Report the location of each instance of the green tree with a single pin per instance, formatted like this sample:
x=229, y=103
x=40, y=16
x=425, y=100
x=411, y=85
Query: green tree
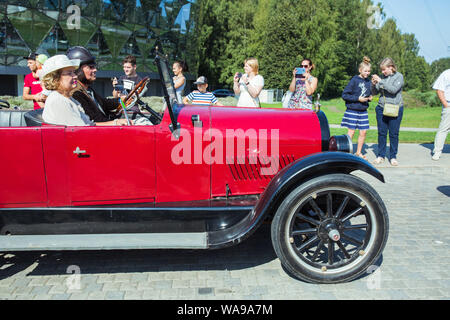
x=334, y=34
x=298, y=30
x=439, y=66
x=416, y=70
x=211, y=31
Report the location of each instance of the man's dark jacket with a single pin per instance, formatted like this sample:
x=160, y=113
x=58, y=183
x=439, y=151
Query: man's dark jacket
x=91, y=108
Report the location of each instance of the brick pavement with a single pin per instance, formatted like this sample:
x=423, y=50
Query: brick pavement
x=414, y=263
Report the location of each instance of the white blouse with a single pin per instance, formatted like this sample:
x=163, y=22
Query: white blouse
x=245, y=99
x=64, y=111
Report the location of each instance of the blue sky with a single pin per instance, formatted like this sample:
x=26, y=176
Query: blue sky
x=429, y=20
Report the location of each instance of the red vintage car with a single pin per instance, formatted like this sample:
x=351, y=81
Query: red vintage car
x=198, y=178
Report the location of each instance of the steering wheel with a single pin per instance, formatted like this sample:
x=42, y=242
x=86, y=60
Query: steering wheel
x=136, y=90
x=133, y=97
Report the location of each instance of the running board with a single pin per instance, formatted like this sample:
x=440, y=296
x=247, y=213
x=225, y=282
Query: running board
x=115, y=241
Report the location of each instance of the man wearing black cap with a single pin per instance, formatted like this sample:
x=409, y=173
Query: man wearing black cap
x=98, y=109
x=32, y=84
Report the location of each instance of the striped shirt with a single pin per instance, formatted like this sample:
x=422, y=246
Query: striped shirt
x=206, y=98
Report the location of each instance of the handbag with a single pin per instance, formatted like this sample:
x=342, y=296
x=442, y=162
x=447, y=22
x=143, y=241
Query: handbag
x=286, y=97
x=390, y=110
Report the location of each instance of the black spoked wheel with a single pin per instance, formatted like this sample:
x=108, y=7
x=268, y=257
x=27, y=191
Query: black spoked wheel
x=330, y=229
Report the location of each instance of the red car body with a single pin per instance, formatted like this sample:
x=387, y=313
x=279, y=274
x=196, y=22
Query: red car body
x=200, y=177
x=132, y=164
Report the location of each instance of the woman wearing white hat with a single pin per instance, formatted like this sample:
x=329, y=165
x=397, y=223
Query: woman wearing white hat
x=58, y=74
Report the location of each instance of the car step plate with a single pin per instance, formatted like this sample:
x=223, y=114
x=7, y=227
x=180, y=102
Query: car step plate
x=104, y=241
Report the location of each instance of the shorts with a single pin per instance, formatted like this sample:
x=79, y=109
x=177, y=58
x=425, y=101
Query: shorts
x=354, y=119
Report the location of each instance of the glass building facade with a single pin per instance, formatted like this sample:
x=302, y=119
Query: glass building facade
x=110, y=29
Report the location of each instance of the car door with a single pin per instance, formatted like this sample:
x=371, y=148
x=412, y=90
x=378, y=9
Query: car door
x=22, y=180
x=110, y=165
x=183, y=168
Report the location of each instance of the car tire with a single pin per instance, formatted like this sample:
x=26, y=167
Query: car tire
x=330, y=229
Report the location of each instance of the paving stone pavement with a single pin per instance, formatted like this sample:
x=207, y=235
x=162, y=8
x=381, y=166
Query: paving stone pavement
x=414, y=264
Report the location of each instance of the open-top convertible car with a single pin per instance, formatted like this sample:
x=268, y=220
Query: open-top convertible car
x=198, y=177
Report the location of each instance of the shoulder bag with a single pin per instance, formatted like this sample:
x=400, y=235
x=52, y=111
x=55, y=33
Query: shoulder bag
x=390, y=110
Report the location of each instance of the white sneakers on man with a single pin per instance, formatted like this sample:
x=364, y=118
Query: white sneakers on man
x=436, y=156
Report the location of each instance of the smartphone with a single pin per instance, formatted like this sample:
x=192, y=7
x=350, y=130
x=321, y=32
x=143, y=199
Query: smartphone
x=300, y=70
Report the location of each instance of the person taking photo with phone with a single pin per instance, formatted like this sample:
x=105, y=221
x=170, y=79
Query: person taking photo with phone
x=303, y=86
x=249, y=85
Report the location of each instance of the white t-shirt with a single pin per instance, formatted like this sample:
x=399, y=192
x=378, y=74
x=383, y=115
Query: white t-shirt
x=245, y=99
x=64, y=111
x=443, y=83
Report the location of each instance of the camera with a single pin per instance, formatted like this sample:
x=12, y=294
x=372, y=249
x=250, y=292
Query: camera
x=238, y=75
x=300, y=71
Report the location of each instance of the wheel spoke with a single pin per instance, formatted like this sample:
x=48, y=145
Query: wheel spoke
x=330, y=252
x=329, y=205
x=356, y=226
x=308, y=244
x=341, y=246
x=316, y=253
x=317, y=209
x=342, y=207
x=306, y=231
x=352, y=214
x=351, y=239
x=308, y=219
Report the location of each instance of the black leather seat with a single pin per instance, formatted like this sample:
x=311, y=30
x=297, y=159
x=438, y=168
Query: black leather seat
x=34, y=118
x=12, y=118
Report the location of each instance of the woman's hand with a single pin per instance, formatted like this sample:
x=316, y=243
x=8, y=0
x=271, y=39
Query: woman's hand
x=375, y=79
x=122, y=122
x=236, y=77
x=363, y=99
x=40, y=97
x=307, y=74
x=245, y=78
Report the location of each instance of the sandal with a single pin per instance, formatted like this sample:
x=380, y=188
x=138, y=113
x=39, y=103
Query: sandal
x=361, y=156
x=394, y=162
x=379, y=160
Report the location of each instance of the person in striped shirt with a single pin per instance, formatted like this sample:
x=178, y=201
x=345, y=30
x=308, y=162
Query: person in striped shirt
x=201, y=96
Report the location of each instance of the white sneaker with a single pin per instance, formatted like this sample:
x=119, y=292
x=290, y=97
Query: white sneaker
x=436, y=156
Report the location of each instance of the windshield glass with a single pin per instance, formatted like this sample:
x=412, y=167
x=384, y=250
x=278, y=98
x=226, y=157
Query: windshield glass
x=170, y=96
x=166, y=78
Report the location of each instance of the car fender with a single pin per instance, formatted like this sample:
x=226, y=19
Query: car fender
x=283, y=182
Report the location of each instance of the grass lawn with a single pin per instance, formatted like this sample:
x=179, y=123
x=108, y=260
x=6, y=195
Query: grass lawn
x=415, y=117
x=424, y=117
x=404, y=137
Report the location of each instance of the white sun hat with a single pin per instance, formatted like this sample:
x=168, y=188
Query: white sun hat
x=57, y=62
